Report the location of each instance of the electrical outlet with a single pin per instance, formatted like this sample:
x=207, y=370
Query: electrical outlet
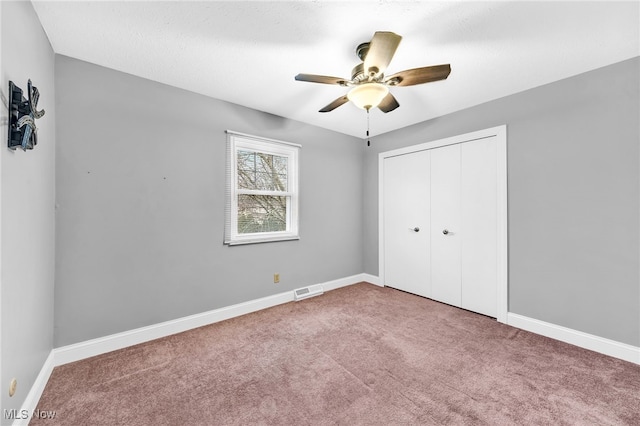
x=12, y=387
x=276, y=278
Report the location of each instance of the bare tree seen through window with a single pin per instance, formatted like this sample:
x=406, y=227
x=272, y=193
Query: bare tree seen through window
x=259, y=171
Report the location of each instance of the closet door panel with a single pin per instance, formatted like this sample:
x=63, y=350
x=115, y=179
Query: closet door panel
x=445, y=225
x=479, y=226
x=406, y=223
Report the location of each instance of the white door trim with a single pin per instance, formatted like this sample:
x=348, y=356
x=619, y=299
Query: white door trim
x=500, y=132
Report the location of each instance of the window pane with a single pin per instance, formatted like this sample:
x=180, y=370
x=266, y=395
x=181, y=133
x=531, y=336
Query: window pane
x=261, y=171
x=261, y=213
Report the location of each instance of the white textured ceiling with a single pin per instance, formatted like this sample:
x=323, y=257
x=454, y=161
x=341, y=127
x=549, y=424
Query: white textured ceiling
x=249, y=52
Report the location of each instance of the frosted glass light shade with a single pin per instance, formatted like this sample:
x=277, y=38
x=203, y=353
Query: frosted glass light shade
x=368, y=95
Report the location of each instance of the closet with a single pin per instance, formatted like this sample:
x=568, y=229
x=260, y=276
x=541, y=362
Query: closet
x=443, y=221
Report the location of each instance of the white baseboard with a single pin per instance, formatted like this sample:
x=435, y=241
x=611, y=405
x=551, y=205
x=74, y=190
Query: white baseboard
x=577, y=338
x=33, y=397
x=372, y=279
x=101, y=345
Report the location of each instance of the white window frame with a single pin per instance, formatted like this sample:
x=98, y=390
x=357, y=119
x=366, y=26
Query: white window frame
x=240, y=141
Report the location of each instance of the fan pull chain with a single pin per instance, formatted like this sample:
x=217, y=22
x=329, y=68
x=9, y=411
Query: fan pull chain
x=368, y=141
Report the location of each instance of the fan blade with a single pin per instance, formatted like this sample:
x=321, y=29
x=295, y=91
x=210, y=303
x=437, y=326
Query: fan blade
x=312, y=78
x=419, y=75
x=335, y=104
x=382, y=47
x=389, y=103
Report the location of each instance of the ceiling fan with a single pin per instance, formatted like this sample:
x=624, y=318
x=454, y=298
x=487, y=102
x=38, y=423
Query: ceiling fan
x=370, y=87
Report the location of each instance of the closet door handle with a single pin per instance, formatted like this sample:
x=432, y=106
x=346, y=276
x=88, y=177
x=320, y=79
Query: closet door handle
x=445, y=231
x=416, y=229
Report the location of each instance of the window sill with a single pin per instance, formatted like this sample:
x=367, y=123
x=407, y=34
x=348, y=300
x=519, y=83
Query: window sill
x=258, y=240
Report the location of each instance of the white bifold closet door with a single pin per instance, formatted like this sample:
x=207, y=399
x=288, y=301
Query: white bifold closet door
x=445, y=225
x=479, y=223
x=449, y=193
x=407, y=222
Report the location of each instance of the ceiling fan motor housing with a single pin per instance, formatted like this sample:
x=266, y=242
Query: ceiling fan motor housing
x=362, y=50
x=357, y=73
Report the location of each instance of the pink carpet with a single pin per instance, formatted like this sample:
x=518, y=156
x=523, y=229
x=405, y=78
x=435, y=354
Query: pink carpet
x=359, y=355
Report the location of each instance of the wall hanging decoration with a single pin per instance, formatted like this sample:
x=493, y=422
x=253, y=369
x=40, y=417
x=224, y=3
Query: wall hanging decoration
x=22, y=117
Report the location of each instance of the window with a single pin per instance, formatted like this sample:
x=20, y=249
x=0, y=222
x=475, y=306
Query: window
x=262, y=190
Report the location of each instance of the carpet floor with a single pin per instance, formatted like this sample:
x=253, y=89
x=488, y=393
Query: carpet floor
x=358, y=355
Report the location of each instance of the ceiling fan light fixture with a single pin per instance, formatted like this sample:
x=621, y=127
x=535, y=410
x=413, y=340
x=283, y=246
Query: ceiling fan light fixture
x=368, y=95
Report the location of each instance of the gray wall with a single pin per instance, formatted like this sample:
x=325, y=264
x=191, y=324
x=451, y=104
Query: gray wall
x=140, y=205
x=140, y=186
x=27, y=194
x=573, y=178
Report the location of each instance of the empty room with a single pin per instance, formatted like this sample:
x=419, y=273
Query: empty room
x=320, y=213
